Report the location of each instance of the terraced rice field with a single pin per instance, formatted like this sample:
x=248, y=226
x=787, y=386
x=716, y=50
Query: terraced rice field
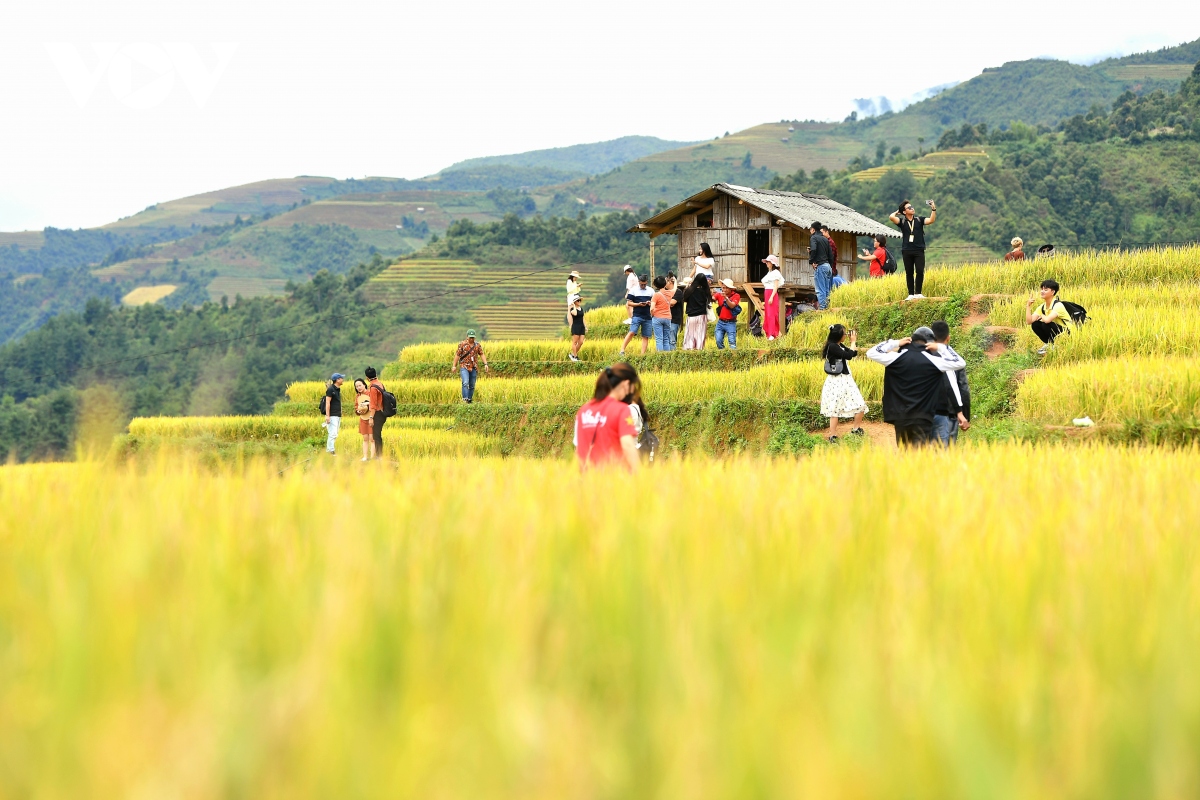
x=537, y=299
x=143, y=295
x=925, y=167
x=246, y=287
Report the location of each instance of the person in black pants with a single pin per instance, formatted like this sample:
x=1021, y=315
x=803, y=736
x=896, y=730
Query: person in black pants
x=912, y=248
x=913, y=383
x=375, y=390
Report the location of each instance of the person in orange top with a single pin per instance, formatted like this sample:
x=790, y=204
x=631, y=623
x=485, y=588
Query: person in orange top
x=362, y=410
x=660, y=316
x=604, y=428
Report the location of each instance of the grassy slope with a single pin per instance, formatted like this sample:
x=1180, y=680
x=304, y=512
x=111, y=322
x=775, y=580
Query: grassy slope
x=591, y=159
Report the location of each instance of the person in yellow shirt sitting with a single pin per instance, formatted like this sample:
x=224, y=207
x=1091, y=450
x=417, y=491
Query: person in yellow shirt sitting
x=1050, y=318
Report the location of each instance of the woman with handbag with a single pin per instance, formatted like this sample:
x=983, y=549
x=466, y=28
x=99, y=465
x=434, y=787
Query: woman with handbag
x=362, y=410
x=840, y=397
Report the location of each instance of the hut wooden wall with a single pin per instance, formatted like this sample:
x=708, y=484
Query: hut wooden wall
x=727, y=239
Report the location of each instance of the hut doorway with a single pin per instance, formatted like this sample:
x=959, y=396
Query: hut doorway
x=758, y=247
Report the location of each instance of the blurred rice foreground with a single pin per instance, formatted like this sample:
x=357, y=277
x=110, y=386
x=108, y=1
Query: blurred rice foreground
x=997, y=622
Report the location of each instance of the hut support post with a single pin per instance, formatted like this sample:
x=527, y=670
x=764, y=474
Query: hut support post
x=652, y=260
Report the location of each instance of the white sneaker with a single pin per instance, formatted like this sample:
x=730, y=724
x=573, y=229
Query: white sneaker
x=363, y=459
x=918, y=297
x=1042, y=350
x=910, y=297
x=1083, y=422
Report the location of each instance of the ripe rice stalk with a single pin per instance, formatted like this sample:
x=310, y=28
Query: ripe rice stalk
x=782, y=381
x=1118, y=331
x=1113, y=391
x=1130, y=269
x=594, y=349
x=283, y=631
x=235, y=428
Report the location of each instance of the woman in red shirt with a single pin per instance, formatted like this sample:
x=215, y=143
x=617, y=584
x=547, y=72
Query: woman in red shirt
x=604, y=428
x=878, y=258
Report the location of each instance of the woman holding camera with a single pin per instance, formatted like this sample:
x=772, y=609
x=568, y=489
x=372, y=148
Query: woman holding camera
x=912, y=244
x=840, y=397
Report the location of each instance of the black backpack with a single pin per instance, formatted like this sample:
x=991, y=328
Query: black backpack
x=889, y=263
x=755, y=324
x=1077, y=312
x=389, y=401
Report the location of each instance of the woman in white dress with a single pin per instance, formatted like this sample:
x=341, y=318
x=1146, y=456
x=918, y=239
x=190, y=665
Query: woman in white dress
x=840, y=397
x=704, y=263
x=772, y=282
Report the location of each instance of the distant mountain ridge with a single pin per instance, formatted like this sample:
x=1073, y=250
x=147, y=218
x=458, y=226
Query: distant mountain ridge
x=589, y=159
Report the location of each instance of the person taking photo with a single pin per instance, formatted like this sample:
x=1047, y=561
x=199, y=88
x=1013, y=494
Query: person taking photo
x=912, y=244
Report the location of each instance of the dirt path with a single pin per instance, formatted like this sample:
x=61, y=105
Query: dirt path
x=880, y=434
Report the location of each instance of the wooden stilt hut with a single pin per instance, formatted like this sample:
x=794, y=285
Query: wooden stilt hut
x=743, y=225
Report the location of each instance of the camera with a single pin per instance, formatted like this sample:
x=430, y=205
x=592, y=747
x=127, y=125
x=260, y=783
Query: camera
x=929, y=203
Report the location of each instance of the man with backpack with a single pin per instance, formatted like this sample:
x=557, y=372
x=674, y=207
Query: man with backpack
x=729, y=305
x=382, y=405
x=466, y=365
x=1050, y=318
x=914, y=382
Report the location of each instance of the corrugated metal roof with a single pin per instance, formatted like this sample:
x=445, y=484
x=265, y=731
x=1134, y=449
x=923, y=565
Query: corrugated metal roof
x=805, y=209
x=797, y=208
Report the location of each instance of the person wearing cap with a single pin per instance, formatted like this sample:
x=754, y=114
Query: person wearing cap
x=642, y=322
x=729, y=305
x=631, y=283
x=466, y=364
x=772, y=282
x=578, y=329
x=820, y=257
x=333, y=411
x=914, y=379
x=1018, y=250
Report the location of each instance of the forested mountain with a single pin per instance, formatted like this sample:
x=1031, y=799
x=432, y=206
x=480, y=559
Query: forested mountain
x=587, y=159
x=1131, y=174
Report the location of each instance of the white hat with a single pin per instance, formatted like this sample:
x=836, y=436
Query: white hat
x=571, y=300
x=628, y=268
x=728, y=284
x=574, y=274
x=771, y=259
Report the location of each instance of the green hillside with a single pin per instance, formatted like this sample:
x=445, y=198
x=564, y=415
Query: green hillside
x=1039, y=92
x=589, y=159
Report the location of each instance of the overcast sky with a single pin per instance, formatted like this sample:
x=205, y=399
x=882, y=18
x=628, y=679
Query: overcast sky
x=109, y=107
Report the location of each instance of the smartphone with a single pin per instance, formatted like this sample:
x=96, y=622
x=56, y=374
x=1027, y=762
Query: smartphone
x=929, y=203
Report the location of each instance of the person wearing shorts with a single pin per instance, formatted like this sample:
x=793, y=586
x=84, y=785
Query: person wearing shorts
x=642, y=323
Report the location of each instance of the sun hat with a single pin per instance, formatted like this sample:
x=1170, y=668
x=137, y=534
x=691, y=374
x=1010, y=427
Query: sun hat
x=470, y=333
x=574, y=298
x=1016, y=241
x=727, y=283
x=574, y=274
x=923, y=334
x=771, y=259
x=628, y=268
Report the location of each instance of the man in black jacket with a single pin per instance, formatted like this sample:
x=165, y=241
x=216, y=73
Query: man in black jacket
x=913, y=383
x=820, y=258
x=954, y=412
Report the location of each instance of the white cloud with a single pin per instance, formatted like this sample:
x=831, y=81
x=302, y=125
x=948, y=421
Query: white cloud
x=171, y=106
